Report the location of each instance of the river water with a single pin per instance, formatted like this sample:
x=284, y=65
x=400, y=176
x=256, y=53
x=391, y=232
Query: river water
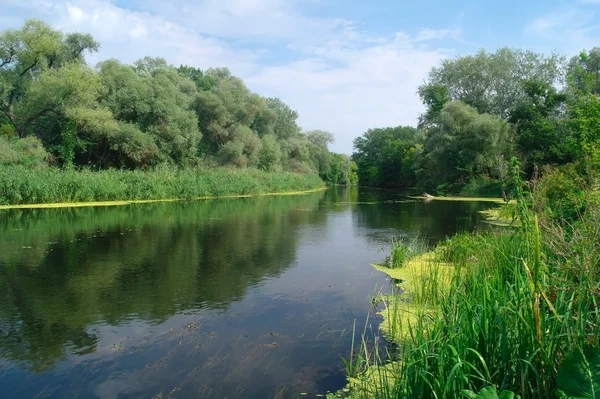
x=236, y=298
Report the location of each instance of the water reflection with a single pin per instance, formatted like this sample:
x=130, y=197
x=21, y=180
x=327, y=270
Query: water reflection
x=196, y=299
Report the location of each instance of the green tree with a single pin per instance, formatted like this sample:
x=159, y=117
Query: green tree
x=226, y=109
x=285, y=125
x=543, y=135
x=584, y=72
x=42, y=74
x=152, y=103
x=270, y=154
x=489, y=82
x=319, y=153
x=583, y=79
x=467, y=144
x=202, y=81
x=384, y=156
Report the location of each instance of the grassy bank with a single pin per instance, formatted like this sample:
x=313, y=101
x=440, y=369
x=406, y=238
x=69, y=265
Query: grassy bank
x=515, y=310
x=20, y=185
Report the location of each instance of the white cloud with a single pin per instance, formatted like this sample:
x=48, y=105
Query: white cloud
x=571, y=28
x=338, y=78
x=374, y=86
x=274, y=20
x=129, y=35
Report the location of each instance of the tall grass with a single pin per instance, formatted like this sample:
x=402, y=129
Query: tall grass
x=518, y=304
x=22, y=185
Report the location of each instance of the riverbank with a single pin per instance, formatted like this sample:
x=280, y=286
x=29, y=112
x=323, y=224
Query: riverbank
x=513, y=310
x=468, y=199
x=22, y=187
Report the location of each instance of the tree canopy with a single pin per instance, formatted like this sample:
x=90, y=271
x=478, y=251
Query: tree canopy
x=146, y=114
x=480, y=111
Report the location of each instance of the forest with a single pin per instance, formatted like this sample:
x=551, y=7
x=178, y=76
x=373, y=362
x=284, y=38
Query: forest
x=483, y=109
x=58, y=111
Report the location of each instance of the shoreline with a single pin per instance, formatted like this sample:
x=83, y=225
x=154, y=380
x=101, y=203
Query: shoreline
x=478, y=199
x=57, y=205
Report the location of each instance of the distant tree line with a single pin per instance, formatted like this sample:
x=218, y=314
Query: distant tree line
x=56, y=109
x=483, y=109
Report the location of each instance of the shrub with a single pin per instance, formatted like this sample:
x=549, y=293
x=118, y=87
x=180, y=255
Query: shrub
x=483, y=187
x=27, y=152
x=561, y=194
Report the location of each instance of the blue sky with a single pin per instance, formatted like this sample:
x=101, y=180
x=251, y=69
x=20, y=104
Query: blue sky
x=345, y=66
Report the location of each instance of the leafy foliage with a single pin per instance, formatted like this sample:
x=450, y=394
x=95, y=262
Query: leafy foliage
x=28, y=152
x=384, y=156
x=579, y=375
x=149, y=113
x=489, y=393
x=480, y=111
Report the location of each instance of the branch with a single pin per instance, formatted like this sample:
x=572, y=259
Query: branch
x=33, y=117
x=6, y=62
x=31, y=66
x=12, y=118
x=10, y=58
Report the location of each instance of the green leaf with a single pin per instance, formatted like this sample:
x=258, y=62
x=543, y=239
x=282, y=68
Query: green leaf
x=489, y=393
x=579, y=375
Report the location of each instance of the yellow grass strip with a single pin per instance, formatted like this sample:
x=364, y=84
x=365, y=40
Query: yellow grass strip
x=130, y=202
x=478, y=199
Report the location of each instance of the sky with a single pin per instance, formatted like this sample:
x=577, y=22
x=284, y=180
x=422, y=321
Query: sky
x=345, y=66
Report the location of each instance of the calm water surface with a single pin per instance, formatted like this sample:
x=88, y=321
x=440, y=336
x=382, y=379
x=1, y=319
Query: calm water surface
x=239, y=298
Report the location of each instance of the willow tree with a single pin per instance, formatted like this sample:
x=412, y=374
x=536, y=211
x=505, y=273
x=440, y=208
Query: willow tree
x=152, y=103
x=467, y=144
x=42, y=73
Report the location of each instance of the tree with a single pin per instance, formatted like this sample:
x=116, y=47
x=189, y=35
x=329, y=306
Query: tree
x=140, y=115
x=543, y=136
x=270, y=154
x=34, y=61
x=285, y=125
x=152, y=102
x=384, y=156
x=467, y=144
x=202, y=81
x=227, y=106
x=583, y=73
x=434, y=97
x=489, y=82
x=319, y=153
x=584, y=86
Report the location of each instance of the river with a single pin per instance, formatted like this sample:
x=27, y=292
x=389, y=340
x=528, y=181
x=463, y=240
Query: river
x=232, y=298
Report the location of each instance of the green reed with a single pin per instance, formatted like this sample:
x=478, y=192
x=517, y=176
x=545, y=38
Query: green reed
x=21, y=185
x=518, y=304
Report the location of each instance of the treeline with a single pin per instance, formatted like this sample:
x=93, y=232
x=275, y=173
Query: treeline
x=481, y=111
x=56, y=109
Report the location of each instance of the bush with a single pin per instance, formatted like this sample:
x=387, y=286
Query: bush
x=560, y=193
x=28, y=152
x=483, y=187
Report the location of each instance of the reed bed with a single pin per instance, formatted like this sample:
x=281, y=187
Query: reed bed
x=22, y=185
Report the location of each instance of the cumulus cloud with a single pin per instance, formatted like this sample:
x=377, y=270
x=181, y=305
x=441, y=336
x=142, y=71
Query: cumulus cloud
x=338, y=77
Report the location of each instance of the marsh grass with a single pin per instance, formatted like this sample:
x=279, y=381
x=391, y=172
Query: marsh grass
x=517, y=304
x=22, y=185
